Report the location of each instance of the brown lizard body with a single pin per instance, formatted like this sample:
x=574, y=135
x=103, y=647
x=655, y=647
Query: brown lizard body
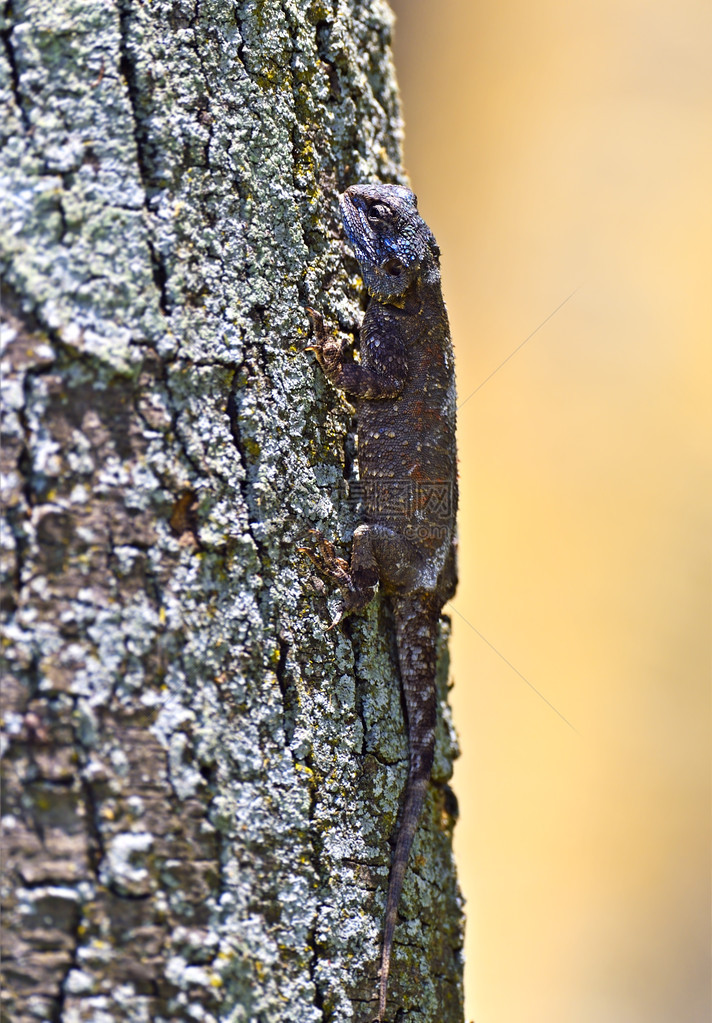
x=404, y=392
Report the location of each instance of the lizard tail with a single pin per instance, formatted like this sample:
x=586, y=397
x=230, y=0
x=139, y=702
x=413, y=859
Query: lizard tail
x=411, y=813
x=416, y=631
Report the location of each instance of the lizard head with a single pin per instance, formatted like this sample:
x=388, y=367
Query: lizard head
x=391, y=240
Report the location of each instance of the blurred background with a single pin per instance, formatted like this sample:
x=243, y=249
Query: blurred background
x=562, y=154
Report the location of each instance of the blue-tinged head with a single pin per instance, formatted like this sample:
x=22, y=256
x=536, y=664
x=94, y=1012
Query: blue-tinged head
x=391, y=240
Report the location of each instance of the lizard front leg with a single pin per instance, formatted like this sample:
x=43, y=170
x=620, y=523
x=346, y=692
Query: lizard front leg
x=328, y=349
x=382, y=377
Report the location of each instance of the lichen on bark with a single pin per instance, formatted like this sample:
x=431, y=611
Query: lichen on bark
x=199, y=781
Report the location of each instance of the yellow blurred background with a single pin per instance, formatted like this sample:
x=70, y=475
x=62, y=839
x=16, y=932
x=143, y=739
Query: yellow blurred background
x=562, y=153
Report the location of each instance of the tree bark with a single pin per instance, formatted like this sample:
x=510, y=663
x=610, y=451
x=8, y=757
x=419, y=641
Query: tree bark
x=200, y=782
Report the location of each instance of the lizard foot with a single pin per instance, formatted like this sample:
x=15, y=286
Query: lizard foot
x=324, y=557
x=328, y=349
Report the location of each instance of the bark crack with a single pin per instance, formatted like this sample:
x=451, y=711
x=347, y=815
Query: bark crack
x=288, y=690
x=6, y=34
x=233, y=414
x=127, y=67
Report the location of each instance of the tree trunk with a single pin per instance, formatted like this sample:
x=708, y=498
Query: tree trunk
x=200, y=782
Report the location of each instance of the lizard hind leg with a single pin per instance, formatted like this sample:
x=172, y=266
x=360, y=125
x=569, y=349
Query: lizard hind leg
x=357, y=582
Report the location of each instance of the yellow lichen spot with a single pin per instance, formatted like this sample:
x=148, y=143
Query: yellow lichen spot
x=216, y=980
x=162, y=615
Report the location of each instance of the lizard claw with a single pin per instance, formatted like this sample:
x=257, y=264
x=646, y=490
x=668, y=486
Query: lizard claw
x=326, y=560
x=318, y=330
x=316, y=318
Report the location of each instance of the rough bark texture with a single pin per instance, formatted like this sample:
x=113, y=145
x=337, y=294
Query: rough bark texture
x=199, y=781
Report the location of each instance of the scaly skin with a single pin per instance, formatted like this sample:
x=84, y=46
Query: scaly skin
x=404, y=392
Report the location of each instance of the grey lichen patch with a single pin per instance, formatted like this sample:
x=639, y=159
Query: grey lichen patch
x=200, y=779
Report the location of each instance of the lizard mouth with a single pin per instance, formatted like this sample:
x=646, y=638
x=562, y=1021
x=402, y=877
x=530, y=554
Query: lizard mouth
x=357, y=227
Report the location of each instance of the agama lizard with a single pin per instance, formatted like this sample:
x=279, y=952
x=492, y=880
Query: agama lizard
x=404, y=392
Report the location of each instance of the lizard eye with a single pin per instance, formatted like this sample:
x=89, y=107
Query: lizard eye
x=378, y=212
x=393, y=267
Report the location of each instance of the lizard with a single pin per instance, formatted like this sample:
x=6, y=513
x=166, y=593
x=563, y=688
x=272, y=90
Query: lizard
x=403, y=389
